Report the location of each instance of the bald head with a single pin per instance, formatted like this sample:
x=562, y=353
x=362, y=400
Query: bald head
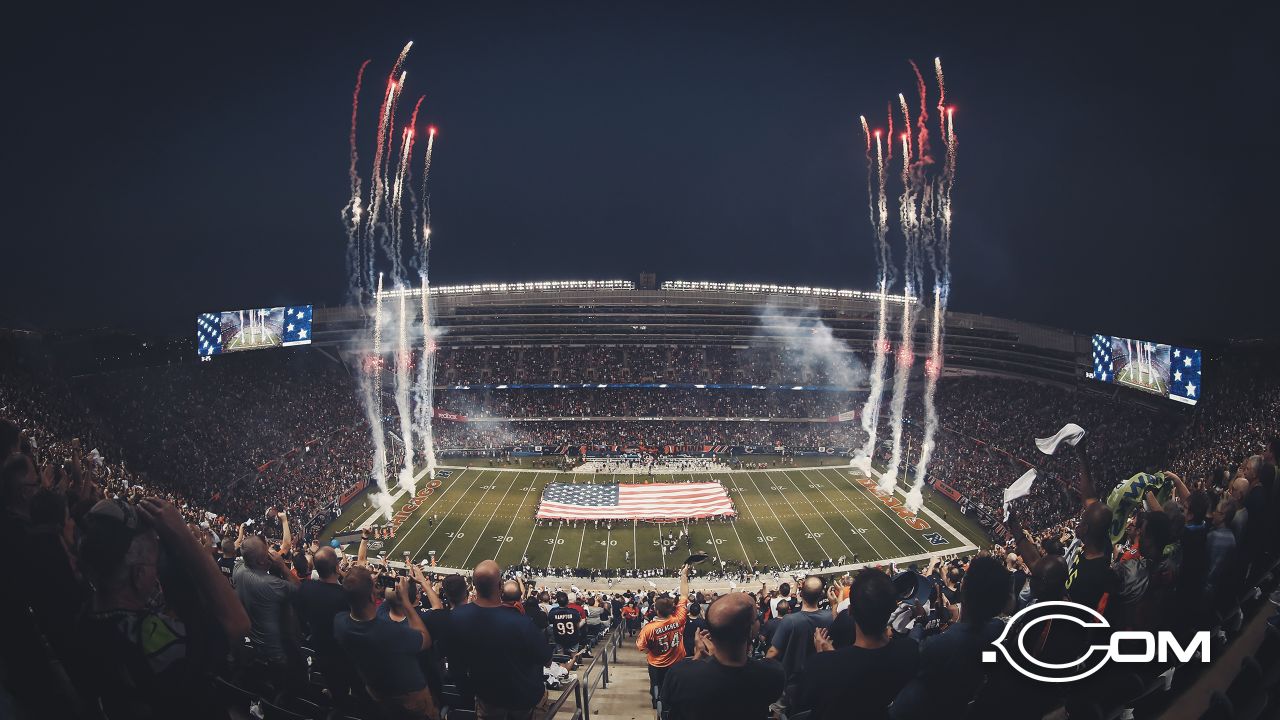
x=811, y=591
x=254, y=550
x=731, y=620
x=326, y=562
x=487, y=579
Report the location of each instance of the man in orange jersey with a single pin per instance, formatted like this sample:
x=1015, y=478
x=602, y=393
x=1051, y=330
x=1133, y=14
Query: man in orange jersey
x=661, y=639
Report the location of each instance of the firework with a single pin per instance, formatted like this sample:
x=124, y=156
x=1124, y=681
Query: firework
x=352, y=211
x=403, y=360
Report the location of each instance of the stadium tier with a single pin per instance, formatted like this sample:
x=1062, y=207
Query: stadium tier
x=723, y=317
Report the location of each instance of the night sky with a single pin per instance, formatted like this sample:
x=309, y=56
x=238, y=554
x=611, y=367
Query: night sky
x=1116, y=172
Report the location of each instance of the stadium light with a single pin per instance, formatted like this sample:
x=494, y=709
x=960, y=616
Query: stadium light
x=770, y=289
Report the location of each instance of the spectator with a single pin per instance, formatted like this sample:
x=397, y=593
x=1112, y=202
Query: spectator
x=318, y=602
x=566, y=624
x=868, y=674
x=662, y=639
x=264, y=584
x=793, y=640
x=721, y=680
x=693, y=625
x=385, y=651
x=771, y=625
x=951, y=668
x=144, y=662
x=499, y=654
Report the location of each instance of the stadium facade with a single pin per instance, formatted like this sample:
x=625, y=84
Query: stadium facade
x=618, y=313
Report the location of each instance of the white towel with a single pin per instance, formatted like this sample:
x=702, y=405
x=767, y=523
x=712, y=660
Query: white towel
x=1020, y=488
x=1070, y=434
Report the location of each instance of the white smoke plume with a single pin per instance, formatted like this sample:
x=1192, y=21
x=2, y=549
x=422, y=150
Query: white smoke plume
x=812, y=347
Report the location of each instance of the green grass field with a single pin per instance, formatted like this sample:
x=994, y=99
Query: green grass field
x=784, y=516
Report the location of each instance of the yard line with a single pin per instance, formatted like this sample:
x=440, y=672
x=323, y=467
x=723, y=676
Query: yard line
x=754, y=520
x=532, y=531
x=635, y=546
x=581, y=542
x=607, y=535
x=819, y=512
x=846, y=517
x=871, y=523
x=440, y=555
x=443, y=489
x=893, y=517
x=507, y=534
x=662, y=548
x=467, y=560
x=745, y=555
x=554, y=542
x=775, y=517
x=467, y=518
x=436, y=529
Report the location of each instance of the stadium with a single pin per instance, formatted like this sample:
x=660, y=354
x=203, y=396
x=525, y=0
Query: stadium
x=692, y=367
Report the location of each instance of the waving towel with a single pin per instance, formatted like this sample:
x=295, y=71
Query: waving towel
x=1020, y=488
x=1070, y=434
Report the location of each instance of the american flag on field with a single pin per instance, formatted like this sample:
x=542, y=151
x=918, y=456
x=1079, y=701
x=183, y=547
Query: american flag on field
x=297, y=325
x=617, y=501
x=1184, y=375
x=209, y=334
x=1103, y=367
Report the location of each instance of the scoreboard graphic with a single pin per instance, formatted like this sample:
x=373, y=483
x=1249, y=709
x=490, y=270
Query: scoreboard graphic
x=1166, y=370
x=256, y=329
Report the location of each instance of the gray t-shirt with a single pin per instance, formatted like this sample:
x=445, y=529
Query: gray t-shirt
x=794, y=638
x=266, y=599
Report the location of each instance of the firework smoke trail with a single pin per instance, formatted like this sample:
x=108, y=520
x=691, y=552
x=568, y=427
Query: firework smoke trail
x=889, y=134
x=906, y=117
x=426, y=383
x=871, y=409
x=427, y=369
x=371, y=396
x=375, y=180
x=906, y=353
x=938, y=211
x=933, y=369
x=942, y=98
x=404, y=356
x=352, y=212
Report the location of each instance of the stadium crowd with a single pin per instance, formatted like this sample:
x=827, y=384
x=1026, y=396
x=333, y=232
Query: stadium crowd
x=618, y=402
x=137, y=582
x=764, y=364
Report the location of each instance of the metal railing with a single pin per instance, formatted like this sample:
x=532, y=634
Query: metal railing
x=574, y=689
x=600, y=664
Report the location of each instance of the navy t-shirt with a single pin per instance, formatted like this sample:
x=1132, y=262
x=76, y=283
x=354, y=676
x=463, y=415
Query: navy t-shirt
x=385, y=651
x=564, y=623
x=498, y=655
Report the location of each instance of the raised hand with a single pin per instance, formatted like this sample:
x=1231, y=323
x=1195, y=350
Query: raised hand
x=822, y=640
x=164, y=517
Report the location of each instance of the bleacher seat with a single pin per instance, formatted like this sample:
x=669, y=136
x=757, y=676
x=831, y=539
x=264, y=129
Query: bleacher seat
x=1219, y=708
x=1247, y=694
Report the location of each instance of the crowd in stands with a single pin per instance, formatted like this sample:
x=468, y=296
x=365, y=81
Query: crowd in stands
x=137, y=582
x=765, y=364
x=619, y=402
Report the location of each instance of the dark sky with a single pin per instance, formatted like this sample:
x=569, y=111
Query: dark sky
x=1116, y=173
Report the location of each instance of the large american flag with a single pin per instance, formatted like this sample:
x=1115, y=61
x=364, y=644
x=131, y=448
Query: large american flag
x=615, y=501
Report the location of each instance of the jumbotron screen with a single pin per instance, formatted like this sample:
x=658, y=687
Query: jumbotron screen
x=1165, y=370
x=256, y=329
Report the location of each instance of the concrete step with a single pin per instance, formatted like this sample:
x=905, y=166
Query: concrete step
x=627, y=697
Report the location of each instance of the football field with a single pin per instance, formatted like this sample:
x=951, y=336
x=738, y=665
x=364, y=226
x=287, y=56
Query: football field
x=784, y=516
